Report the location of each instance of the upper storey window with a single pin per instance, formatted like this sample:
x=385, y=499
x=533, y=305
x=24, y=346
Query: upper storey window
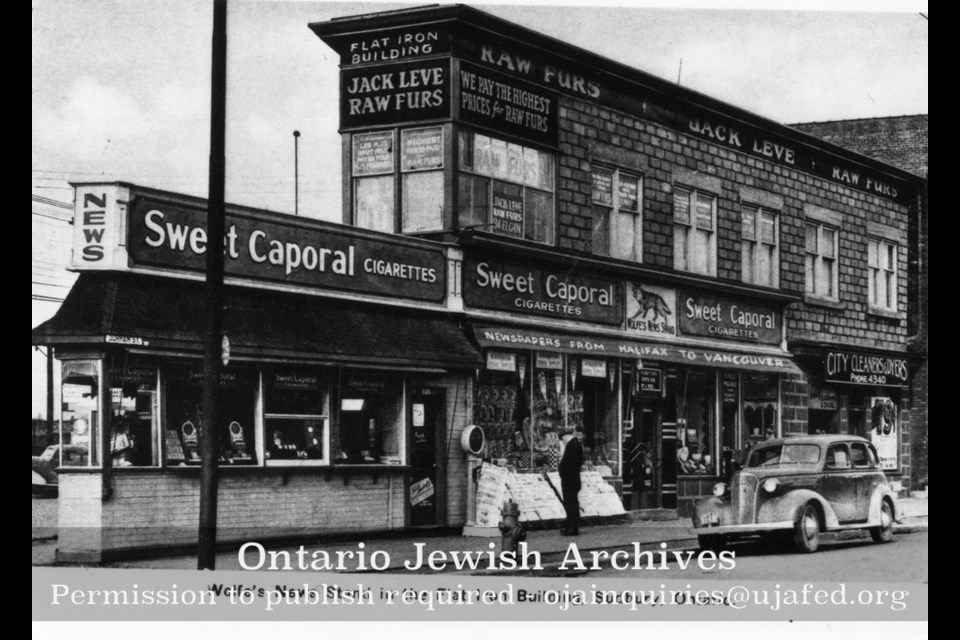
x=694, y=231
x=507, y=188
x=617, y=225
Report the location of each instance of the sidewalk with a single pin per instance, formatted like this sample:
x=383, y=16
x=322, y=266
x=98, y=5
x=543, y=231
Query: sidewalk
x=649, y=535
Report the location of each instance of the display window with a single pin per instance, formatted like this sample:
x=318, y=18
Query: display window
x=296, y=417
x=135, y=420
x=696, y=395
x=371, y=427
x=184, y=421
x=525, y=411
x=79, y=418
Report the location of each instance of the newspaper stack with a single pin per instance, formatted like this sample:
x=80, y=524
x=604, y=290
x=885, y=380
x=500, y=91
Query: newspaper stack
x=598, y=496
x=491, y=492
x=523, y=490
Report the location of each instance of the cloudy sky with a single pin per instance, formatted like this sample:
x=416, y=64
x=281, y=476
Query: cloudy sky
x=121, y=87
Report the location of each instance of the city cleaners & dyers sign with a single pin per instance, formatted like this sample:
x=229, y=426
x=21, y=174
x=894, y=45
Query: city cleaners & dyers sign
x=860, y=368
x=299, y=253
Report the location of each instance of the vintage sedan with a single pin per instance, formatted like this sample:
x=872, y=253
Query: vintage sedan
x=800, y=487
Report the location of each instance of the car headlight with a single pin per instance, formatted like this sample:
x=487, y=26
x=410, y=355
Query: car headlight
x=770, y=485
x=719, y=489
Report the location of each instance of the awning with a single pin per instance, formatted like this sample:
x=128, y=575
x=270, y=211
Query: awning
x=159, y=313
x=600, y=346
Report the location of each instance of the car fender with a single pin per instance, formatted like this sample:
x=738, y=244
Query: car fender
x=878, y=495
x=787, y=508
x=712, y=504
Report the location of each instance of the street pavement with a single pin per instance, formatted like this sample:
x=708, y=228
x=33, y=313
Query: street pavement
x=647, y=535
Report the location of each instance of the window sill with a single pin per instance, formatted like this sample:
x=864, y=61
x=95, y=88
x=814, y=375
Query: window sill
x=822, y=302
x=883, y=313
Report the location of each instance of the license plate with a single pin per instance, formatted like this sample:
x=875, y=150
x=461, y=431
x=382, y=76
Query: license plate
x=710, y=518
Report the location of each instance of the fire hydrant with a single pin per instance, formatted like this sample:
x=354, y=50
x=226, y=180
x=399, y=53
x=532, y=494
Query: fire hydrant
x=510, y=528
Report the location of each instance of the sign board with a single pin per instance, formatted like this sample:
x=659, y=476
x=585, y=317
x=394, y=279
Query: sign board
x=299, y=252
x=507, y=286
x=499, y=361
x=421, y=149
x=883, y=427
x=724, y=319
x=549, y=361
x=393, y=45
x=847, y=367
x=373, y=153
x=651, y=310
x=420, y=491
x=395, y=93
x=95, y=226
x=650, y=379
x=594, y=368
x=506, y=211
x=507, y=105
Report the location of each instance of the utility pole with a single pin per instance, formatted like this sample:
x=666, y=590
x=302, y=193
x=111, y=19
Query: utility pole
x=296, y=173
x=209, y=440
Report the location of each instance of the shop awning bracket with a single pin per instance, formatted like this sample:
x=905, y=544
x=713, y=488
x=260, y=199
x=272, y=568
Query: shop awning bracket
x=286, y=477
x=346, y=477
x=328, y=475
x=376, y=477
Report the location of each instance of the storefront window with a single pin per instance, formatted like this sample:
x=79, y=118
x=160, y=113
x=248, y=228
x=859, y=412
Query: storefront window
x=549, y=408
x=506, y=188
x=371, y=421
x=595, y=390
x=133, y=391
x=499, y=408
x=696, y=402
x=79, y=419
x=183, y=392
x=760, y=408
x=296, y=410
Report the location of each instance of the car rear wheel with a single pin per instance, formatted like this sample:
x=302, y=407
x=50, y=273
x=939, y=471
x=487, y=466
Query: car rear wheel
x=884, y=533
x=806, y=533
x=716, y=543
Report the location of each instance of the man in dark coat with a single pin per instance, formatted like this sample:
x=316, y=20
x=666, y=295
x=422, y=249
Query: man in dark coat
x=569, y=468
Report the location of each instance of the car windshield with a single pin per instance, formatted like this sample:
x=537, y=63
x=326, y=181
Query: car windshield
x=780, y=454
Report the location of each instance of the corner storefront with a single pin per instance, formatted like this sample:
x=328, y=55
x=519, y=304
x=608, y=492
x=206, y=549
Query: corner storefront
x=339, y=409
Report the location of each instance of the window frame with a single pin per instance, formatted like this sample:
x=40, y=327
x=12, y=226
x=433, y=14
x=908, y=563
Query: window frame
x=690, y=227
x=325, y=388
x=819, y=258
x=876, y=247
x=467, y=168
x=614, y=209
x=757, y=244
x=403, y=172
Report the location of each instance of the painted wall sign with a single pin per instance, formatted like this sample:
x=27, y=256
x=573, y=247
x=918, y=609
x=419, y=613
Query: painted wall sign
x=421, y=149
x=373, y=153
x=651, y=310
x=728, y=320
x=511, y=287
x=848, y=367
x=393, y=45
x=596, y=345
x=396, y=93
x=507, y=105
x=650, y=379
x=296, y=381
x=174, y=236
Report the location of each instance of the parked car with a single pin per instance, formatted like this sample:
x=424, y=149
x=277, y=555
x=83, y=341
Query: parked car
x=45, y=465
x=800, y=487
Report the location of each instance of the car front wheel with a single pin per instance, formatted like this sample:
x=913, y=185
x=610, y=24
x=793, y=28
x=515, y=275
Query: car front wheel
x=806, y=535
x=884, y=533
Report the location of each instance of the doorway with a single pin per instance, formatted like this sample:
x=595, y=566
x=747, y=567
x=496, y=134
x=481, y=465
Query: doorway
x=427, y=428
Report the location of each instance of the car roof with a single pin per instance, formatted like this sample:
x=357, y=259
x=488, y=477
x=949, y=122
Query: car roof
x=818, y=439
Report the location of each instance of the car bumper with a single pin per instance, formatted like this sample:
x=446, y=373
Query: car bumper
x=743, y=529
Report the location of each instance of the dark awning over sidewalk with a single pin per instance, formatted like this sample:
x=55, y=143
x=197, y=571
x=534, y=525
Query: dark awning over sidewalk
x=152, y=312
x=752, y=359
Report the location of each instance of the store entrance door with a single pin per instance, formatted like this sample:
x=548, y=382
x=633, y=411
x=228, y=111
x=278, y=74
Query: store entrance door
x=427, y=427
x=642, y=464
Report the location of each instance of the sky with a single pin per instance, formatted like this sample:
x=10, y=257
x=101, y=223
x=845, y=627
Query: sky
x=121, y=88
